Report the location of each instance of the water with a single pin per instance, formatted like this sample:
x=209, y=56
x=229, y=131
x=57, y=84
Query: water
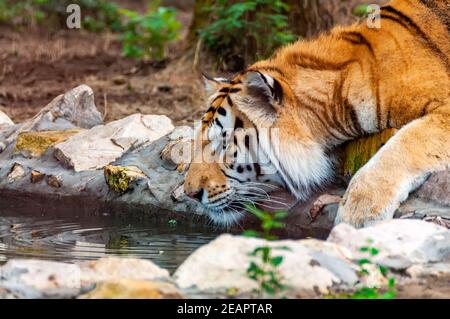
x=87, y=237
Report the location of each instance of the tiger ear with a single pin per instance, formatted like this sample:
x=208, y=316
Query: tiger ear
x=212, y=84
x=264, y=85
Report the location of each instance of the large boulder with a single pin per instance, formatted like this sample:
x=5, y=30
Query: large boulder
x=308, y=267
x=401, y=242
x=44, y=279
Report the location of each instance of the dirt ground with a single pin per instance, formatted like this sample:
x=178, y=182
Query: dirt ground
x=37, y=64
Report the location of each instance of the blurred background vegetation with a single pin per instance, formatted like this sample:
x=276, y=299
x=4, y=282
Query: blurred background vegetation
x=144, y=55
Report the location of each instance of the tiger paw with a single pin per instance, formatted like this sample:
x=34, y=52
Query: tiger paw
x=367, y=201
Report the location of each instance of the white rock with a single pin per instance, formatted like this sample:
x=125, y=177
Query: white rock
x=101, y=145
x=429, y=270
x=182, y=132
x=221, y=265
x=5, y=120
x=401, y=242
x=40, y=275
x=115, y=268
x=40, y=278
x=16, y=173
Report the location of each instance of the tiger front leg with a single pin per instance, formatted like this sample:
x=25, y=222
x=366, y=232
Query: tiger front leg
x=379, y=187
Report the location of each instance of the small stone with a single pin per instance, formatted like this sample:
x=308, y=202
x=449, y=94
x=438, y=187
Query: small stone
x=17, y=172
x=36, y=177
x=54, y=181
x=133, y=289
x=119, y=178
x=119, y=80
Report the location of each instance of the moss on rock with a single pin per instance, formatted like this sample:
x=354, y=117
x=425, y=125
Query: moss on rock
x=119, y=178
x=36, y=143
x=358, y=152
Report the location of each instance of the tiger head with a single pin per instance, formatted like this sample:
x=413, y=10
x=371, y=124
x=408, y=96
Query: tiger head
x=240, y=152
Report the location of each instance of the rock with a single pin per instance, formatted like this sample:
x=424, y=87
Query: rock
x=46, y=279
x=115, y=268
x=6, y=294
x=97, y=147
x=401, y=242
x=308, y=266
x=36, y=176
x=5, y=120
x=119, y=178
x=39, y=278
x=133, y=289
x=54, y=181
x=35, y=144
x=182, y=132
x=17, y=172
x=436, y=188
x=72, y=110
x=438, y=270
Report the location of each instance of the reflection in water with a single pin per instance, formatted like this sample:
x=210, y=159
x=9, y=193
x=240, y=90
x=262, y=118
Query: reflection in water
x=82, y=238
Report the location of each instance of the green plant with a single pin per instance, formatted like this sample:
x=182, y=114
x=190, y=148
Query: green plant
x=147, y=35
x=97, y=15
x=269, y=222
x=374, y=292
x=246, y=30
x=172, y=223
x=21, y=12
x=367, y=265
x=361, y=10
x=264, y=270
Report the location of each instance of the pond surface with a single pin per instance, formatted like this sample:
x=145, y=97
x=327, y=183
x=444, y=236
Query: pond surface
x=51, y=237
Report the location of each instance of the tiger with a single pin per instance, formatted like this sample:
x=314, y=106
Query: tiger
x=317, y=94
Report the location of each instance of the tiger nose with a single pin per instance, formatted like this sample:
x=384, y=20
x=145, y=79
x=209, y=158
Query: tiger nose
x=198, y=195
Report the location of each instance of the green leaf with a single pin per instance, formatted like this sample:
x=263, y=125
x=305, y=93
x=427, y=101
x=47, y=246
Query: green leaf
x=251, y=233
x=276, y=261
x=364, y=261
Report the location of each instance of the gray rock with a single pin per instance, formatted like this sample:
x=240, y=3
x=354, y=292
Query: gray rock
x=436, y=188
x=438, y=270
x=401, y=242
x=101, y=145
x=50, y=279
x=71, y=110
x=309, y=266
x=40, y=279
